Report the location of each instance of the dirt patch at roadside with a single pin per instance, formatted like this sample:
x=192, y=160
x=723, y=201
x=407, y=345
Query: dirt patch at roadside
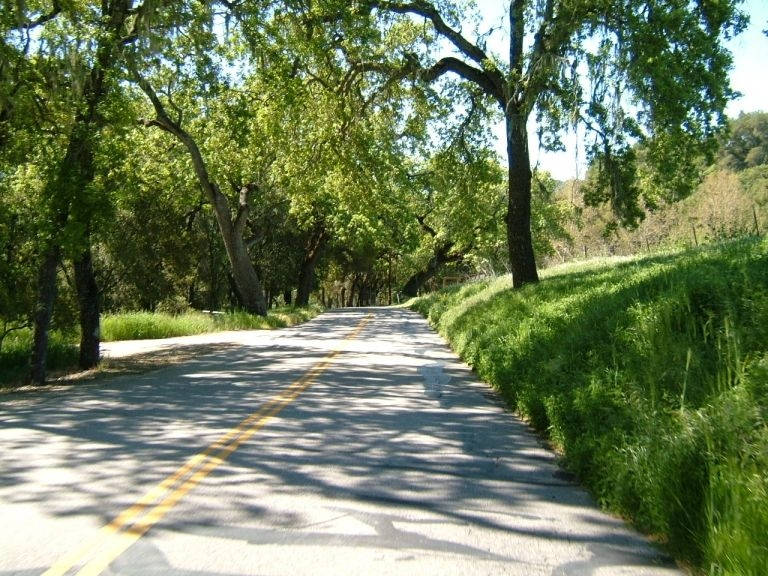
x=111, y=367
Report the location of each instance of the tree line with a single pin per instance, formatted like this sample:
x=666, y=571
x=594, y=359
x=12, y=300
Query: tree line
x=240, y=153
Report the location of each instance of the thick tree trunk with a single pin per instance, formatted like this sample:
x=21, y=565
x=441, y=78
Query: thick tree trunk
x=46, y=295
x=232, y=229
x=440, y=258
x=306, y=282
x=522, y=261
x=417, y=281
x=307, y=272
x=244, y=274
x=75, y=173
x=351, y=295
x=287, y=296
x=88, y=302
x=235, y=301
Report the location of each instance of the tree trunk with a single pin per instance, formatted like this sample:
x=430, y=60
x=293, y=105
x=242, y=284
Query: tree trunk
x=351, y=295
x=306, y=281
x=522, y=261
x=46, y=295
x=235, y=300
x=307, y=272
x=88, y=302
x=244, y=275
x=74, y=174
x=440, y=258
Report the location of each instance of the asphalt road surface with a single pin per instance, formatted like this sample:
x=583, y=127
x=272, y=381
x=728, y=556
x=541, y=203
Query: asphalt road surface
x=354, y=444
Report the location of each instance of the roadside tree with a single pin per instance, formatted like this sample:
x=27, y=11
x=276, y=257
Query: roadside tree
x=629, y=72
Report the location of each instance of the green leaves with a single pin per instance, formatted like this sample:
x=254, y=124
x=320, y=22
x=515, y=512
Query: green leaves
x=745, y=145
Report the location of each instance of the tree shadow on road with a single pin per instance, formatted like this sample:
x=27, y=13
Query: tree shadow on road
x=370, y=443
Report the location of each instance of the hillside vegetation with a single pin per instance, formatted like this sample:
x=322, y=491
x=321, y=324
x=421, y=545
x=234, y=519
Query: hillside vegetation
x=730, y=201
x=650, y=376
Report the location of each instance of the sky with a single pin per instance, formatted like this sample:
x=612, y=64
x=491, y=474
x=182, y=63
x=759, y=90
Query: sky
x=749, y=76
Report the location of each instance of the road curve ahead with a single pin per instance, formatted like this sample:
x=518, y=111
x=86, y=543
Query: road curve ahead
x=354, y=444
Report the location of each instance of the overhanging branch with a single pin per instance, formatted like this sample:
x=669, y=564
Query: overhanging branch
x=484, y=74
x=480, y=77
x=43, y=18
x=428, y=11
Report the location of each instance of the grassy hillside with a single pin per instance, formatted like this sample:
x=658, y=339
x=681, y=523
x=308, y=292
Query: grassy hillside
x=725, y=205
x=651, y=377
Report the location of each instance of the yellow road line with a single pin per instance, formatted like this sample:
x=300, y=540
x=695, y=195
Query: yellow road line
x=114, y=538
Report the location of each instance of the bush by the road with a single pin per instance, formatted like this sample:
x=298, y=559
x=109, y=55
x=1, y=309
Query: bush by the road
x=650, y=376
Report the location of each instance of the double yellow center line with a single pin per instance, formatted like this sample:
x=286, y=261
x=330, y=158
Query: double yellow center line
x=133, y=522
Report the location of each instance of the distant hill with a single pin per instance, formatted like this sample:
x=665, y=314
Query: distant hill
x=731, y=201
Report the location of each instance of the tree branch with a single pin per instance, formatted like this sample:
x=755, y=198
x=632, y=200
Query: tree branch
x=488, y=82
x=487, y=76
x=539, y=38
x=428, y=11
x=164, y=122
x=426, y=227
x=43, y=18
x=516, y=36
x=243, y=208
x=548, y=44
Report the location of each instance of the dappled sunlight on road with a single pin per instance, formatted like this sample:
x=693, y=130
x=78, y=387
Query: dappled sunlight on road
x=393, y=460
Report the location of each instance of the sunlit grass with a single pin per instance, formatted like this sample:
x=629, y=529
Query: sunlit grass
x=146, y=325
x=651, y=377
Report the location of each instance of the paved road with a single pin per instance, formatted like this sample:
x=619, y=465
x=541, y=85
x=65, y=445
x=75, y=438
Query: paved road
x=353, y=444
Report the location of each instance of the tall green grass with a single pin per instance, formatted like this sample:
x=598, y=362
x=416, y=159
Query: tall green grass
x=651, y=376
x=147, y=325
x=16, y=350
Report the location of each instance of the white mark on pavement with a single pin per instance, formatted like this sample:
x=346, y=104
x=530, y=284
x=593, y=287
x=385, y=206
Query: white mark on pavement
x=434, y=379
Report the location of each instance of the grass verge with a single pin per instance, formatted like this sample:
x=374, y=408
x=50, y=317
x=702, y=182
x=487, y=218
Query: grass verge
x=650, y=376
x=14, y=356
x=148, y=325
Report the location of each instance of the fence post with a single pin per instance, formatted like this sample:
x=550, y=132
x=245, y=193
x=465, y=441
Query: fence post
x=695, y=238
